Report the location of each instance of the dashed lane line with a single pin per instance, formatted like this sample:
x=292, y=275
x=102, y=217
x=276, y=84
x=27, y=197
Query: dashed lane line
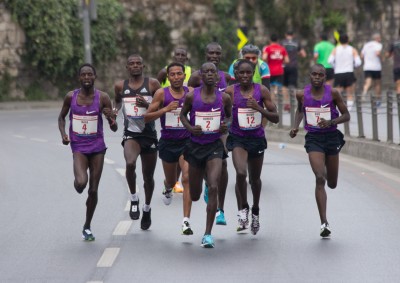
x=108, y=257
x=122, y=228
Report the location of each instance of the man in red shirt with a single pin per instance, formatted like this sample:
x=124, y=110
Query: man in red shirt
x=275, y=55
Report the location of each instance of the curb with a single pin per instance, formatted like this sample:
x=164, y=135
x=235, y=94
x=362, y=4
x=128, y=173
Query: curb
x=20, y=105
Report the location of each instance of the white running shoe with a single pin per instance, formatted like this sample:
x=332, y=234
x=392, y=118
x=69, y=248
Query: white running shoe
x=167, y=196
x=325, y=230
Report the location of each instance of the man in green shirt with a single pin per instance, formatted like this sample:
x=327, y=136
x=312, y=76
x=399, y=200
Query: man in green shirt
x=322, y=50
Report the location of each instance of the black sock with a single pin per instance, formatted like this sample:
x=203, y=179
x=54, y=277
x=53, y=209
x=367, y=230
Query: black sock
x=255, y=210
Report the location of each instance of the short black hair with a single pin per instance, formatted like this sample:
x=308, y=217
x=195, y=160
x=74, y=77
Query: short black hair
x=274, y=37
x=175, y=64
x=344, y=38
x=86, y=65
x=240, y=62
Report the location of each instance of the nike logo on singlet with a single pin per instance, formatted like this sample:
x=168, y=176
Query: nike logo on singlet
x=323, y=106
x=221, y=89
x=216, y=109
x=90, y=112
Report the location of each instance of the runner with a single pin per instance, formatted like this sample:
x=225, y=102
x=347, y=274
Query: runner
x=134, y=96
x=247, y=140
x=318, y=104
x=85, y=106
x=180, y=56
x=209, y=110
x=394, y=50
x=275, y=55
x=214, y=55
x=344, y=58
x=166, y=105
x=371, y=54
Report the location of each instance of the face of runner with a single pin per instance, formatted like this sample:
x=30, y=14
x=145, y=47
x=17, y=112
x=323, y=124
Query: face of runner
x=87, y=77
x=244, y=73
x=317, y=76
x=176, y=76
x=214, y=54
x=209, y=74
x=253, y=58
x=180, y=56
x=135, y=65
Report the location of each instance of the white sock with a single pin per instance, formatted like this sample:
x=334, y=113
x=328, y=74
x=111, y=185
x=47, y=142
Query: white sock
x=186, y=219
x=146, y=208
x=134, y=197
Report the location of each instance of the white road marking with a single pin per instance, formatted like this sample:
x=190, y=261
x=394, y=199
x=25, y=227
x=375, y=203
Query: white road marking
x=38, y=140
x=122, y=228
x=128, y=205
x=108, y=257
x=19, y=136
x=108, y=161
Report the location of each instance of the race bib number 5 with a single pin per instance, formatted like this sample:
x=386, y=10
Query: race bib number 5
x=84, y=125
x=314, y=115
x=249, y=119
x=209, y=121
x=132, y=110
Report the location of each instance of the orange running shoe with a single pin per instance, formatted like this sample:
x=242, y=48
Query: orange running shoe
x=178, y=188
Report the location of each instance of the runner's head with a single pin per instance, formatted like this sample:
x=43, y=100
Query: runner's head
x=251, y=53
x=244, y=71
x=87, y=75
x=209, y=74
x=176, y=74
x=317, y=75
x=180, y=55
x=213, y=53
x=135, y=65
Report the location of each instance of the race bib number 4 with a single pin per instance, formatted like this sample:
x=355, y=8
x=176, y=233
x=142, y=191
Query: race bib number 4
x=84, y=125
x=209, y=121
x=249, y=119
x=173, y=121
x=314, y=115
x=132, y=110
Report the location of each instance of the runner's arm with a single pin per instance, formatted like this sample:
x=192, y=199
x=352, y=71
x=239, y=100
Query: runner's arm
x=298, y=117
x=61, y=118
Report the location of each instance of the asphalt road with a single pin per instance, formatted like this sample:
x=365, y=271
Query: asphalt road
x=41, y=218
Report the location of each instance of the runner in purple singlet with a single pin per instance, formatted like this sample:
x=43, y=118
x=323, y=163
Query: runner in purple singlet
x=85, y=106
x=318, y=103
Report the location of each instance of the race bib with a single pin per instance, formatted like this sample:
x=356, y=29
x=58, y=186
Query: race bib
x=132, y=110
x=209, y=121
x=314, y=115
x=84, y=125
x=173, y=121
x=249, y=119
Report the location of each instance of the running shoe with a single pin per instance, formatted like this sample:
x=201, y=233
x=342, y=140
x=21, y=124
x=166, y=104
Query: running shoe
x=255, y=223
x=178, y=188
x=134, y=212
x=207, y=241
x=243, y=222
x=206, y=192
x=87, y=235
x=167, y=196
x=325, y=230
x=220, y=219
x=186, y=230
x=145, y=223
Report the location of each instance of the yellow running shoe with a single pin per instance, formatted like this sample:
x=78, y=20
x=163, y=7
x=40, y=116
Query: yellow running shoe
x=178, y=188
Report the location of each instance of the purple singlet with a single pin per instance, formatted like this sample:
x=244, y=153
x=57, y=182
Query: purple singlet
x=208, y=115
x=171, y=126
x=246, y=121
x=316, y=109
x=86, y=125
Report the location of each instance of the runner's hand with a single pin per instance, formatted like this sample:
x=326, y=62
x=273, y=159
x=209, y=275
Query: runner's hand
x=293, y=132
x=223, y=128
x=141, y=102
x=172, y=106
x=65, y=140
x=196, y=130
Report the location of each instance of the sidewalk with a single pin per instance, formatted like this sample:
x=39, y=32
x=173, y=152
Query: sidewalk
x=18, y=105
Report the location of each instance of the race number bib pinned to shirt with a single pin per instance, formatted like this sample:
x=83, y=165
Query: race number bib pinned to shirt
x=173, y=121
x=84, y=125
x=314, y=115
x=249, y=119
x=209, y=121
x=131, y=108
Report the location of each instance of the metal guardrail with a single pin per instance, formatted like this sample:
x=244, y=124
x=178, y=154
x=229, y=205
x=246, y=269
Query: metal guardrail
x=369, y=119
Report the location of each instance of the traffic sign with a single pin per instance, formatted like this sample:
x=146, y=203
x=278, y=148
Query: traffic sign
x=242, y=37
